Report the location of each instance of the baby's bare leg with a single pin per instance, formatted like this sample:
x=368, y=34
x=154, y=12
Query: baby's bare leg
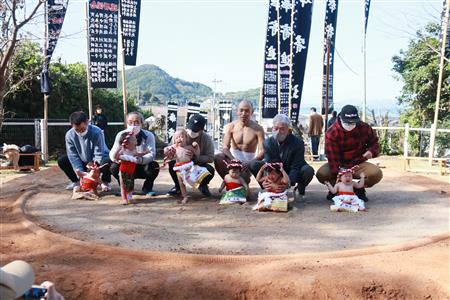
x=183, y=189
x=123, y=192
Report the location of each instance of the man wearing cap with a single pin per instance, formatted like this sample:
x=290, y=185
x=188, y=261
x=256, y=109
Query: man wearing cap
x=350, y=142
x=195, y=130
x=243, y=140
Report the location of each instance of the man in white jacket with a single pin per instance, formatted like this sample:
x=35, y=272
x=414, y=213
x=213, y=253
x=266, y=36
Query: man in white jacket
x=147, y=168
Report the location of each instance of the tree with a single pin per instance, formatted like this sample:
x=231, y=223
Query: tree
x=14, y=15
x=418, y=68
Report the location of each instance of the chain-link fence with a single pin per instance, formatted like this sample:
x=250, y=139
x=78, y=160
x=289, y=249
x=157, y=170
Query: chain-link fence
x=28, y=132
x=392, y=139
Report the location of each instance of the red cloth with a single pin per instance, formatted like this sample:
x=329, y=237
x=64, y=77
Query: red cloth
x=127, y=167
x=88, y=184
x=232, y=185
x=345, y=148
x=346, y=193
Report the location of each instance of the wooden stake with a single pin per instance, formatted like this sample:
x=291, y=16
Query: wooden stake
x=441, y=72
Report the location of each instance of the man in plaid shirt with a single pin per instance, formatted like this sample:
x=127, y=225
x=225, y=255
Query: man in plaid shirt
x=350, y=142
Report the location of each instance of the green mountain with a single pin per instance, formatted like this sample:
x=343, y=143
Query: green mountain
x=151, y=84
x=250, y=95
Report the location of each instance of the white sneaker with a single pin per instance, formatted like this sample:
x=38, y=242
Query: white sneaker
x=71, y=185
x=106, y=187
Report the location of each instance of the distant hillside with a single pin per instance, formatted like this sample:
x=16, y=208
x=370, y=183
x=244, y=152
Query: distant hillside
x=156, y=86
x=251, y=95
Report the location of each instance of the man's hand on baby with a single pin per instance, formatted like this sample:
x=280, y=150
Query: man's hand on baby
x=195, y=144
x=368, y=155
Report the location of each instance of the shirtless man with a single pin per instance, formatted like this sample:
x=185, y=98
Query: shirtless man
x=243, y=139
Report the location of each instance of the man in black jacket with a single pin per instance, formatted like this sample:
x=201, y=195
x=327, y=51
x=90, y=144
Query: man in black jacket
x=284, y=146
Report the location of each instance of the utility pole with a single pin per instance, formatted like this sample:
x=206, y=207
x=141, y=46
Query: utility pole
x=214, y=108
x=441, y=73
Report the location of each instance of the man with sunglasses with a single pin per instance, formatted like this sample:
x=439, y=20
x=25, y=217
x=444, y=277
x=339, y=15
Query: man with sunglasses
x=350, y=142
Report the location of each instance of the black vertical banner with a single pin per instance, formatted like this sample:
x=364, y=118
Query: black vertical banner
x=301, y=28
x=269, y=92
x=331, y=13
x=103, y=28
x=366, y=14
x=172, y=114
x=56, y=12
x=130, y=11
x=284, y=61
x=193, y=108
x=225, y=117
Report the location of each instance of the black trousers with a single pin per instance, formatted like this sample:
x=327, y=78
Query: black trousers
x=206, y=181
x=65, y=165
x=315, y=140
x=149, y=172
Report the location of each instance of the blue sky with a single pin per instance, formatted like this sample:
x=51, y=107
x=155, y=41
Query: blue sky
x=199, y=40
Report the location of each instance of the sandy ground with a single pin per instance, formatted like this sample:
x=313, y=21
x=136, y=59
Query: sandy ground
x=76, y=244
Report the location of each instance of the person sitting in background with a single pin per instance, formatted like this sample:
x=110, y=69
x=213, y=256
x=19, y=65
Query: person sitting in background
x=85, y=144
x=147, y=168
x=350, y=142
x=99, y=119
x=16, y=279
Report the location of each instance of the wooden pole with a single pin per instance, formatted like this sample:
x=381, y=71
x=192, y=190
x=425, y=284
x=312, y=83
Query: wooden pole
x=441, y=73
x=124, y=90
x=88, y=65
x=44, y=143
x=327, y=83
x=364, y=65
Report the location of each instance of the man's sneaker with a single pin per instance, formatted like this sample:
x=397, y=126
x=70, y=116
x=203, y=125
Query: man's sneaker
x=106, y=186
x=150, y=193
x=71, y=185
x=203, y=188
x=330, y=196
x=174, y=191
x=361, y=193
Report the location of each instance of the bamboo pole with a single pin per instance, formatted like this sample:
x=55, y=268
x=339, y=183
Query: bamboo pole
x=124, y=90
x=441, y=73
x=44, y=143
x=364, y=65
x=327, y=84
x=88, y=65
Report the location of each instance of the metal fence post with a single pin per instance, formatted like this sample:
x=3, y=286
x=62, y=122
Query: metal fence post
x=405, y=142
x=37, y=134
x=432, y=143
x=44, y=145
